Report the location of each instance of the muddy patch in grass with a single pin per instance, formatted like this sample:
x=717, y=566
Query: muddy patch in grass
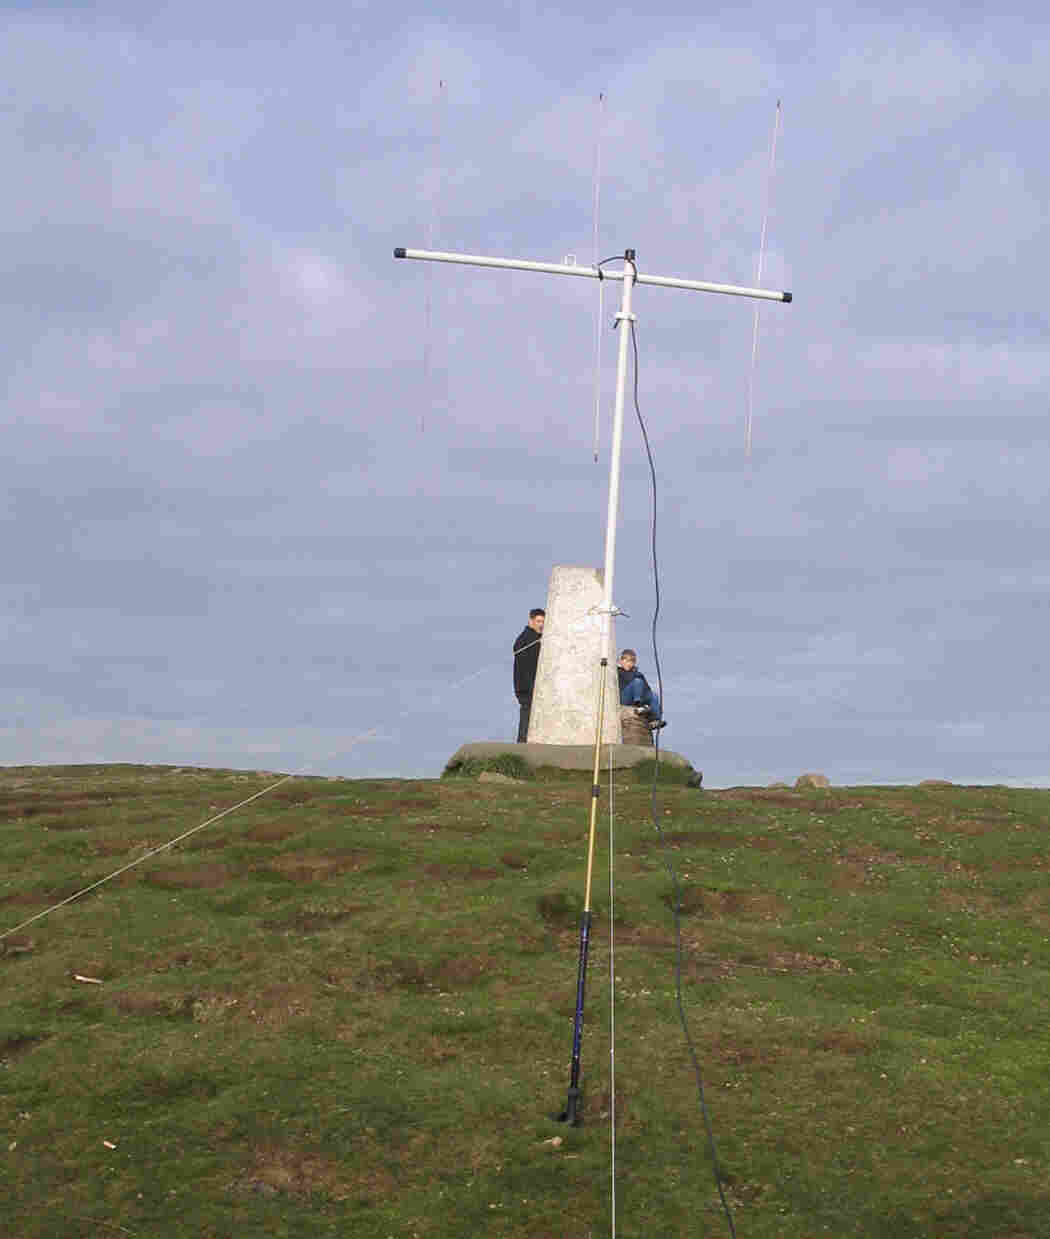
x=736, y=1053
x=152, y=1005
x=565, y=837
x=706, y=969
x=732, y=904
x=649, y=936
x=721, y=839
x=973, y=828
x=199, y=957
x=188, y=877
x=1036, y=907
x=276, y=1006
x=315, y=867
x=676, y=838
x=49, y=895
x=438, y=1050
x=803, y=801
x=24, y=899
x=956, y=868
x=803, y=962
x=14, y=946
x=384, y=808
x=559, y=911
x=208, y=841
x=862, y=866
x=401, y=973
x=293, y=1172
x=274, y=832
x=844, y=1041
x=292, y=796
x=112, y=847
x=972, y=903
x=312, y=921
x=460, y=873
x=14, y=1047
x=71, y=823
x=456, y=972
x=51, y=804
x=462, y=826
x=460, y=971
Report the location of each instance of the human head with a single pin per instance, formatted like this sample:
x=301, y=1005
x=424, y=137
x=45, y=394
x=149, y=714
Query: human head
x=628, y=660
x=536, y=617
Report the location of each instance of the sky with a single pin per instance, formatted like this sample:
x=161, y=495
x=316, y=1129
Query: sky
x=272, y=500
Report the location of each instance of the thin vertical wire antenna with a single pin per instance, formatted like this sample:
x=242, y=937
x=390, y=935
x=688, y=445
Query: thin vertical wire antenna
x=758, y=279
x=601, y=297
x=612, y=1010
x=433, y=187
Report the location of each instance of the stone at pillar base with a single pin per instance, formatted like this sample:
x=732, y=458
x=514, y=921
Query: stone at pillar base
x=565, y=756
x=635, y=730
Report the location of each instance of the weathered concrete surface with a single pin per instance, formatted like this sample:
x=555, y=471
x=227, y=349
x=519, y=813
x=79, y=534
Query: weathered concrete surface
x=565, y=698
x=633, y=729
x=565, y=756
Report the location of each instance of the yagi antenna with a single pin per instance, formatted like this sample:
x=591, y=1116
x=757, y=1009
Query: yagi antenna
x=625, y=319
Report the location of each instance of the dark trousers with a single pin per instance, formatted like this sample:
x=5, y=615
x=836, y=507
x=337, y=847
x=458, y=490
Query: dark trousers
x=523, y=718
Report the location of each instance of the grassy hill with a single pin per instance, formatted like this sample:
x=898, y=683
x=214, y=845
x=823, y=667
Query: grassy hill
x=346, y=1009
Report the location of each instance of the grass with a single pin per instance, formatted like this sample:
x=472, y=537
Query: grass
x=347, y=1009
x=509, y=764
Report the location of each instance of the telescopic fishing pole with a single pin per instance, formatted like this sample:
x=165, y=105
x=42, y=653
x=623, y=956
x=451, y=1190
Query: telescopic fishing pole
x=624, y=319
x=571, y=1113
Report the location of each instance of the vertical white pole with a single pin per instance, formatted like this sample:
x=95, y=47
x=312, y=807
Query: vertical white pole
x=624, y=319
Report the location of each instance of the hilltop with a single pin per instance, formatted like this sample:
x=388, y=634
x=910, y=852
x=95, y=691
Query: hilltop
x=346, y=1008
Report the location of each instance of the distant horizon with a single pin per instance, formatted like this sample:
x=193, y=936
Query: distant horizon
x=785, y=782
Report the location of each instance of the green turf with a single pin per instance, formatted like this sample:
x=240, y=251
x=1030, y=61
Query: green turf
x=346, y=1009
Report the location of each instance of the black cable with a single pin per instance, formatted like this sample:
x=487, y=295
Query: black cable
x=656, y=819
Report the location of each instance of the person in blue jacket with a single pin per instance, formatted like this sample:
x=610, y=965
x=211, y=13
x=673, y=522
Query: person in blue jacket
x=635, y=690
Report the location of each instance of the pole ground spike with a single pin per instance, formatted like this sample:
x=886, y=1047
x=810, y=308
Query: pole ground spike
x=571, y=1113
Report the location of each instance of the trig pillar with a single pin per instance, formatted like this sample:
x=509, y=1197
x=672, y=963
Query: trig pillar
x=565, y=697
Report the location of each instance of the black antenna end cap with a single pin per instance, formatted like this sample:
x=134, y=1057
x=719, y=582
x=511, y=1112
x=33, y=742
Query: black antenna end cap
x=787, y=296
x=401, y=252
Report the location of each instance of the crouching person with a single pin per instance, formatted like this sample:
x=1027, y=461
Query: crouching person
x=640, y=713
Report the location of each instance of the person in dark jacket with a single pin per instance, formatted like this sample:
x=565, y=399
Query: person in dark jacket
x=526, y=659
x=635, y=690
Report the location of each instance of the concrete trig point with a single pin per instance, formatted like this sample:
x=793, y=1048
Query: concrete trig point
x=580, y=626
x=576, y=637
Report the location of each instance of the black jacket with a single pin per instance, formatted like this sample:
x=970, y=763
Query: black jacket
x=526, y=659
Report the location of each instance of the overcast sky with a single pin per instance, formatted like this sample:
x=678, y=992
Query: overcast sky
x=265, y=489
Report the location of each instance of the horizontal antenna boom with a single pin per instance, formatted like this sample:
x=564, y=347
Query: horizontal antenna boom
x=591, y=273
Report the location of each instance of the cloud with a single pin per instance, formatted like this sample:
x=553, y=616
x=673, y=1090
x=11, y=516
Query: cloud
x=263, y=482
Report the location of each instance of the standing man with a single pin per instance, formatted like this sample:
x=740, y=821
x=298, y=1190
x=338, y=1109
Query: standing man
x=526, y=659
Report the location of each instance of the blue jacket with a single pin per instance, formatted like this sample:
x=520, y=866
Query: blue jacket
x=641, y=694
